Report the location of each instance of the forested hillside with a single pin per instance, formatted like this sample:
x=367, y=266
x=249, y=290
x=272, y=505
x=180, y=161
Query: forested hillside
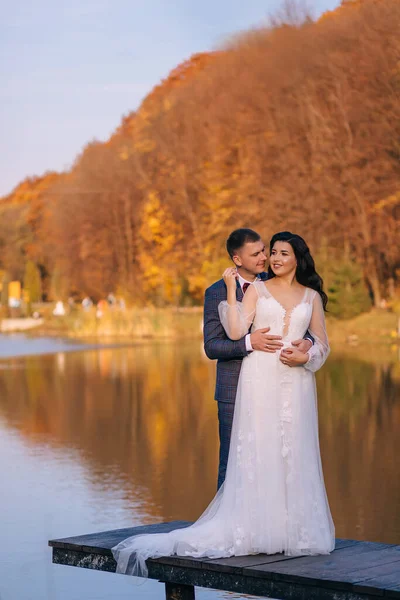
x=290, y=127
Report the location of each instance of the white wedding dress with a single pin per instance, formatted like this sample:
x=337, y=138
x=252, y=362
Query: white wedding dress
x=273, y=499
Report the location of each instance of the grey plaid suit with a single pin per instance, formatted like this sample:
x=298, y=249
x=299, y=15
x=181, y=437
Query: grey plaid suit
x=229, y=354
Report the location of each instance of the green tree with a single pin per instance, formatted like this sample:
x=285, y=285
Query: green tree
x=344, y=282
x=346, y=289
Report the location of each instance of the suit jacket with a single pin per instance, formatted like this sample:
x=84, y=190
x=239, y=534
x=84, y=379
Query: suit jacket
x=229, y=353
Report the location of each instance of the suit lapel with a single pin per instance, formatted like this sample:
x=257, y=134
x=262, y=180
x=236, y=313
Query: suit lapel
x=239, y=293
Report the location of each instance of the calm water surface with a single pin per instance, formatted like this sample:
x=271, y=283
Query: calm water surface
x=107, y=438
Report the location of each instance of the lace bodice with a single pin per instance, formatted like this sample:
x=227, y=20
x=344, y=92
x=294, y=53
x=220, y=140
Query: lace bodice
x=290, y=323
x=261, y=309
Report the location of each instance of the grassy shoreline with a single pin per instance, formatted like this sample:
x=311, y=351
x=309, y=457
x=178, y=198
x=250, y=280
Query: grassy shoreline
x=375, y=327
x=134, y=324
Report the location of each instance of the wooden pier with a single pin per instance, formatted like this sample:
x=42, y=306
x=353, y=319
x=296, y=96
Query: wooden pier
x=354, y=571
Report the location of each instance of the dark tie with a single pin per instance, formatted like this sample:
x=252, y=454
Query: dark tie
x=245, y=286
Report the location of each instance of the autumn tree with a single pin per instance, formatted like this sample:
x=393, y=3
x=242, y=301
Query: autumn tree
x=32, y=282
x=291, y=126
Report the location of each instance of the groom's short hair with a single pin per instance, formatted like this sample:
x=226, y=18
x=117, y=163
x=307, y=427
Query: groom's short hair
x=239, y=238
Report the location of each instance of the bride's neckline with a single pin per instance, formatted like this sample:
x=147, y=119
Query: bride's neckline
x=291, y=308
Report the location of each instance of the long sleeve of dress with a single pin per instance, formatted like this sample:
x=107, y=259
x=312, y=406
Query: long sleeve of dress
x=319, y=351
x=216, y=343
x=237, y=318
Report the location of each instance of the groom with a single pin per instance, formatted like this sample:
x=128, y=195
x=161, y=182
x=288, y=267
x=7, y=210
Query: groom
x=248, y=253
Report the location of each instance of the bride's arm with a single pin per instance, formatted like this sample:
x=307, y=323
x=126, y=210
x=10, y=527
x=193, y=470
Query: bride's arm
x=319, y=351
x=237, y=317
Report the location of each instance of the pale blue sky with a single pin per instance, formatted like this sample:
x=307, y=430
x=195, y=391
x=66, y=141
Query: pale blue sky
x=70, y=69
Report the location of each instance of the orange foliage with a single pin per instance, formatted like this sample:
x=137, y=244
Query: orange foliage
x=289, y=127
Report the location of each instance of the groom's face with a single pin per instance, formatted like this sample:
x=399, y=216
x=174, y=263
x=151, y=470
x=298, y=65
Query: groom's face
x=251, y=257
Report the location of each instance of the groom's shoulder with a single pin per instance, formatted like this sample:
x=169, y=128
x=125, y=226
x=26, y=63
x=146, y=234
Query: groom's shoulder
x=215, y=294
x=216, y=287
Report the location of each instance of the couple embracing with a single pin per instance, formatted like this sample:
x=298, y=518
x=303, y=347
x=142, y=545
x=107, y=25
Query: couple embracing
x=267, y=330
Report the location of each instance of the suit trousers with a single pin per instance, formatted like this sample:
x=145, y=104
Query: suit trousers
x=225, y=419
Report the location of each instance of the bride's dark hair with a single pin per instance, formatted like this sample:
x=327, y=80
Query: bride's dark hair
x=305, y=271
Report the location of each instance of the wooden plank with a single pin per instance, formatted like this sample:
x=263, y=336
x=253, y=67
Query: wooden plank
x=238, y=564
x=340, y=544
x=385, y=578
x=354, y=571
x=181, y=561
x=103, y=541
x=212, y=579
x=234, y=564
x=251, y=585
x=336, y=570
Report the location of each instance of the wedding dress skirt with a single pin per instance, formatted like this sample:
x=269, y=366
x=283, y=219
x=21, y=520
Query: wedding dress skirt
x=273, y=499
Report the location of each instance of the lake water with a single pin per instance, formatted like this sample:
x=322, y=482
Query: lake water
x=100, y=438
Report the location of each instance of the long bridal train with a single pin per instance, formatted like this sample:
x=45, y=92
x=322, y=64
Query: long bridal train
x=273, y=499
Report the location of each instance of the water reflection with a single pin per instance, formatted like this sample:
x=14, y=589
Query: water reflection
x=359, y=424
x=145, y=414
x=143, y=422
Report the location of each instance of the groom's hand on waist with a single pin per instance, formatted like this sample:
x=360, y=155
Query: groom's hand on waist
x=264, y=341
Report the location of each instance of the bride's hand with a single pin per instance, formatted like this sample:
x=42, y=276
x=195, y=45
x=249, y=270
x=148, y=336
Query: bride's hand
x=230, y=275
x=292, y=357
x=303, y=345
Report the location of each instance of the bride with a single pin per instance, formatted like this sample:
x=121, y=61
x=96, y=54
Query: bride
x=273, y=499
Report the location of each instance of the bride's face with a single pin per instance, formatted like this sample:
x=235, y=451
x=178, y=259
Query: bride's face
x=282, y=259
